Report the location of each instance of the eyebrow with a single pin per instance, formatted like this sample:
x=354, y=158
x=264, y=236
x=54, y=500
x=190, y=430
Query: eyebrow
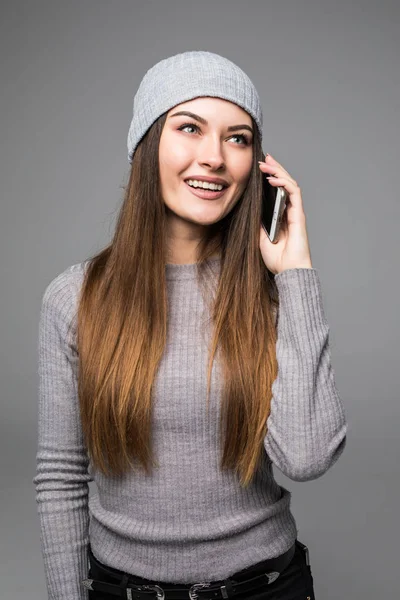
x=204, y=122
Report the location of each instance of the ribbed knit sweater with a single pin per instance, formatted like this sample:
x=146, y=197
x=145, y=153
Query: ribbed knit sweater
x=188, y=521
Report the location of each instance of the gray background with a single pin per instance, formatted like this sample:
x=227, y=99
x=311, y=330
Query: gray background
x=327, y=74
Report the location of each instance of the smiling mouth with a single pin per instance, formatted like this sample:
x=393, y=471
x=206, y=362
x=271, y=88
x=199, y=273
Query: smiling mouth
x=206, y=194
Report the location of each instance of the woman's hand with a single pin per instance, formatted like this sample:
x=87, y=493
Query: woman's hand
x=292, y=250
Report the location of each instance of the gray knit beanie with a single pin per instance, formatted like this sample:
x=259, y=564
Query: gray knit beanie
x=183, y=77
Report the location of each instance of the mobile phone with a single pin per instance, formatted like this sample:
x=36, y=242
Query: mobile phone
x=274, y=200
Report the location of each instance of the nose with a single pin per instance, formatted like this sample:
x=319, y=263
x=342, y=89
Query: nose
x=210, y=153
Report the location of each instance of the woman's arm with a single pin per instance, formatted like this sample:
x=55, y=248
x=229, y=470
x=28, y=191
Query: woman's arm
x=307, y=424
x=61, y=480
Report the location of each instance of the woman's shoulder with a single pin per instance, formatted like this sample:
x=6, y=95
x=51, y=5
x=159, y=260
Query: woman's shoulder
x=61, y=293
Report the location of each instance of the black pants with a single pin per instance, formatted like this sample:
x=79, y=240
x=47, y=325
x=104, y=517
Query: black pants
x=294, y=583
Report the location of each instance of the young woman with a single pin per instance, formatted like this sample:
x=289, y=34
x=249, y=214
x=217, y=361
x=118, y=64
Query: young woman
x=182, y=362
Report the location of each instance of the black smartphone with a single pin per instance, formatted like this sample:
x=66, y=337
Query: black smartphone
x=274, y=200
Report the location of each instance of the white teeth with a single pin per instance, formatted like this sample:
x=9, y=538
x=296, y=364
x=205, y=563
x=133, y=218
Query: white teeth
x=204, y=184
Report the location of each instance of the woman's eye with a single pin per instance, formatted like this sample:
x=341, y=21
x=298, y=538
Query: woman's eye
x=245, y=139
x=188, y=125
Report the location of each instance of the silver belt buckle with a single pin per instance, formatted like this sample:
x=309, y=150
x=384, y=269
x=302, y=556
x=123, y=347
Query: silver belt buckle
x=197, y=586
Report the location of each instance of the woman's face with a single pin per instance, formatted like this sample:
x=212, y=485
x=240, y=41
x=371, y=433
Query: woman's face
x=203, y=146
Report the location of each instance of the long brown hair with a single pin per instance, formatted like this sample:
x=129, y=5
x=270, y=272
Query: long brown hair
x=122, y=323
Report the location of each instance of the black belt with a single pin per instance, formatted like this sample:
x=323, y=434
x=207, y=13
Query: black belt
x=225, y=588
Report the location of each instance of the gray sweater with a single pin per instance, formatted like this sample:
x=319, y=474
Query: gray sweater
x=188, y=522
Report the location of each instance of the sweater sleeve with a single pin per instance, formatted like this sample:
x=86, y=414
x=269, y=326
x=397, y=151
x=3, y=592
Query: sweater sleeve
x=307, y=424
x=62, y=476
